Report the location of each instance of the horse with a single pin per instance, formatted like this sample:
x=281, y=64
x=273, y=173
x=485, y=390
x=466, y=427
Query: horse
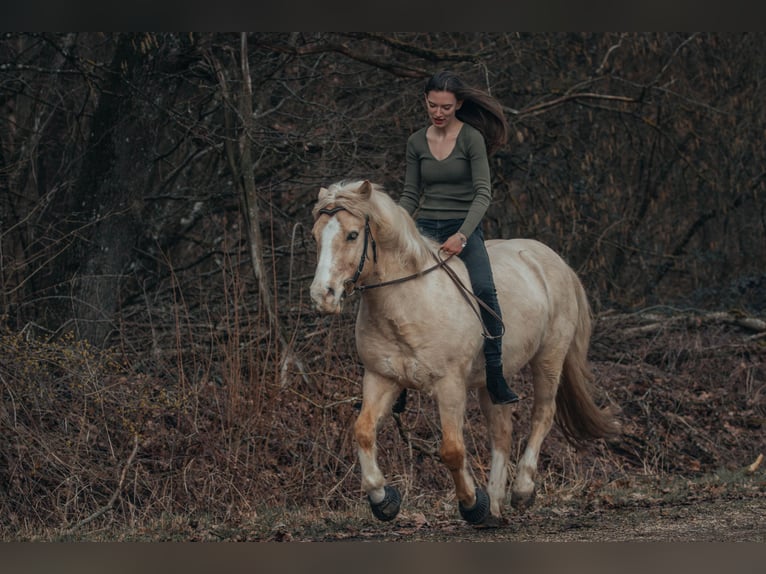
x=417, y=328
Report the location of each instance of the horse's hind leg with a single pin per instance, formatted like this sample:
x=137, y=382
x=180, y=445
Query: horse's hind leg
x=378, y=396
x=500, y=427
x=546, y=370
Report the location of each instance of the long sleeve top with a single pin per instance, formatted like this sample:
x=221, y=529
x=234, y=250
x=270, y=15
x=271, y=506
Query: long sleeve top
x=457, y=187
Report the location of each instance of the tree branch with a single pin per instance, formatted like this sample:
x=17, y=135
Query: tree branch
x=545, y=106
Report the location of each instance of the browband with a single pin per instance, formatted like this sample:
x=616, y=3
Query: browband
x=331, y=210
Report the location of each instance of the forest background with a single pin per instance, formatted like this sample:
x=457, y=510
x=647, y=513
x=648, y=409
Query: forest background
x=159, y=352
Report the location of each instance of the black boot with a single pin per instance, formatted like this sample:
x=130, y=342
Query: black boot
x=499, y=392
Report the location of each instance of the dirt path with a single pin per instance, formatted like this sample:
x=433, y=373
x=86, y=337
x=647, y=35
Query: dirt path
x=740, y=520
x=730, y=518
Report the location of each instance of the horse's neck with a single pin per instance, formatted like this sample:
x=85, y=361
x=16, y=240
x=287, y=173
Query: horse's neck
x=406, y=254
x=399, y=263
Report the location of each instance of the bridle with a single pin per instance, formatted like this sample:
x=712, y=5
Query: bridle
x=350, y=285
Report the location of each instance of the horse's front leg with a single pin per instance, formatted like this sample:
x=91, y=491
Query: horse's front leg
x=378, y=395
x=473, y=502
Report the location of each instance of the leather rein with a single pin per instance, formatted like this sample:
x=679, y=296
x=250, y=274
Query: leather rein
x=351, y=284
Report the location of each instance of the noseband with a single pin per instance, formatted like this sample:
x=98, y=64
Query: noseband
x=350, y=284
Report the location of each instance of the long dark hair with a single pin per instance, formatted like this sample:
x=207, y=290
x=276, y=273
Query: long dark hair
x=479, y=109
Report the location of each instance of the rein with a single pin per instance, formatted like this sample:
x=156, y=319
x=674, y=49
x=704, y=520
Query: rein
x=467, y=294
x=441, y=263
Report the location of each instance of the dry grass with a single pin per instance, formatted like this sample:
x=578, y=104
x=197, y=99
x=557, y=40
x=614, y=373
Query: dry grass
x=197, y=437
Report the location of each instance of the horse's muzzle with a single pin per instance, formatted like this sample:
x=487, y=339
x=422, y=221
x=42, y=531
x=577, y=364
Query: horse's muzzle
x=327, y=299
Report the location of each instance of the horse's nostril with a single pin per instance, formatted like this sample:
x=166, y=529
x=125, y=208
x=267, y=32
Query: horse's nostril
x=331, y=291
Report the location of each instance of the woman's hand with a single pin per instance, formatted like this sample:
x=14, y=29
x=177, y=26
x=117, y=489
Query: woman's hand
x=454, y=244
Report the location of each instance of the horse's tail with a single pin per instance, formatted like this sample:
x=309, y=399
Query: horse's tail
x=577, y=414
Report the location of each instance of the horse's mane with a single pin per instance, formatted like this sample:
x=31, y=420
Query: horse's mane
x=394, y=229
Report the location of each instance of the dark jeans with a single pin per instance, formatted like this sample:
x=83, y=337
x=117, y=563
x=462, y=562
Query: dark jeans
x=476, y=260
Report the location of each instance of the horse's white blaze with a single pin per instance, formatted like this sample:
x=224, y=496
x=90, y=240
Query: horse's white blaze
x=326, y=255
x=322, y=283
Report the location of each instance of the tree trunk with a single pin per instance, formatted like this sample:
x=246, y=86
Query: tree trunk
x=103, y=211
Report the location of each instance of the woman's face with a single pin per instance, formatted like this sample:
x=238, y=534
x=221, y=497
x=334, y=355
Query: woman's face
x=441, y=107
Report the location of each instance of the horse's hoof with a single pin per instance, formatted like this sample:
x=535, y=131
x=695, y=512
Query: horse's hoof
x=388, y=508
x=478, y=513
x=493, y=522
x=522, y=502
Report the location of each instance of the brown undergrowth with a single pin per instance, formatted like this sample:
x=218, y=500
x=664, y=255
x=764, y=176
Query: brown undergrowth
x=201, y=432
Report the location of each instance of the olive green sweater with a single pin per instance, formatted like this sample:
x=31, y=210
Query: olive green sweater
x=457, y=187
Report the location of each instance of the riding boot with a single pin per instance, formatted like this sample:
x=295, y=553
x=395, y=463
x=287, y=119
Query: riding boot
x=499, y=392
x=479, y=270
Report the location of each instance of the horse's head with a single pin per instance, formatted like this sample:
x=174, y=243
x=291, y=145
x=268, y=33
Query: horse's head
x=341, y=232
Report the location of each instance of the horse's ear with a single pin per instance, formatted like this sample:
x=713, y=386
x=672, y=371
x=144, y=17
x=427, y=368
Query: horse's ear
x=365, y=190
x=323, y=191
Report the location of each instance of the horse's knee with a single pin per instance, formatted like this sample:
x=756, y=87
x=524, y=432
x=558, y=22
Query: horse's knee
x=364, y=431
x=452, y=455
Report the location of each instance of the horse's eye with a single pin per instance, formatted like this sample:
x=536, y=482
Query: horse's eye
x=352, y=236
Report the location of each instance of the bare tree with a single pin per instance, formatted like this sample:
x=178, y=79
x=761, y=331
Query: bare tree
x=633, y=154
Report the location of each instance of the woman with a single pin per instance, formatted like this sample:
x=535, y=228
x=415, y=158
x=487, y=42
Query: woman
x=448, y=169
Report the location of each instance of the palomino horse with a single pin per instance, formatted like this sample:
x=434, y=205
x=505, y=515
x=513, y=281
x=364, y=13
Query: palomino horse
x=417, y=329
